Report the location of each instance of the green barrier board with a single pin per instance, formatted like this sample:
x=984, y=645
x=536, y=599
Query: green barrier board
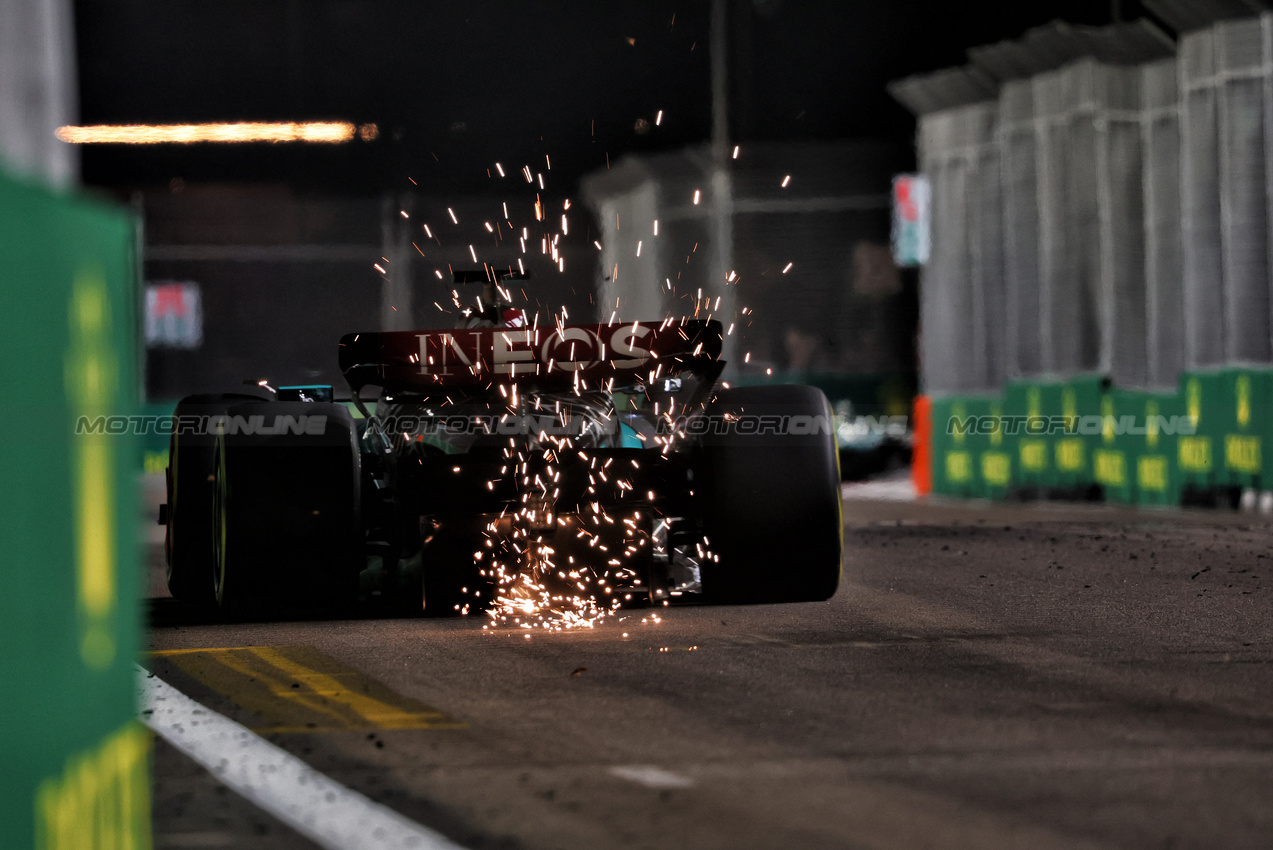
x=951, y=462
x=1031, y=452
x=1135, y=460
x=997, y=458
x=1243, y=417
x=970, y=456
x=1024, y=403
x=1158, y=479
x=75, y=759
x=1113, y=455
x=1079, y=404
x=1062, y=438
x=1196, y=459
x=960, y=462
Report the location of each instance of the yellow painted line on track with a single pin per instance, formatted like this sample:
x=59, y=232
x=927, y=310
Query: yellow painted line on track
x=299, y=689
x=164, y=653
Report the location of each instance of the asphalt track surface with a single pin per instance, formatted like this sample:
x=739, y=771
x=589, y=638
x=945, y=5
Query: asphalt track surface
x=987, y=676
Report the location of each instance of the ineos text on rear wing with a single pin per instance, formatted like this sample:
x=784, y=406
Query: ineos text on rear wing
x=588, y=355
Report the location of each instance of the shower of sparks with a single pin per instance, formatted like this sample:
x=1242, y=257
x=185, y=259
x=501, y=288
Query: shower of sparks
x=547, y=571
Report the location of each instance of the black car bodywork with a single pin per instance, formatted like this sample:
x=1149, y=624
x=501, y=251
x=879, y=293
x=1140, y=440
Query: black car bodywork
x=567, y=469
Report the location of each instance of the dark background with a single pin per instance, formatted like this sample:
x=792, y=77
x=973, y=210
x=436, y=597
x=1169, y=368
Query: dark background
x=459, y=84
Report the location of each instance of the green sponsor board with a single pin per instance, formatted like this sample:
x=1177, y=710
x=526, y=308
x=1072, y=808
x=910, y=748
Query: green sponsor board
x=1059, y=438
x=1196, y=453
x=1052, y=453
x=1024, y=408
x=75, y=758
x=1135, y=460
x=996, y=462
x=952, y=462
x=970, y=456
x=1155, y=453
x=1079, y=405
x=1113, y=459
x=1246, y=395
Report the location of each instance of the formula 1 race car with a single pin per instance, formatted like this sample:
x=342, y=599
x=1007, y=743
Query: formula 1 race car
x=509, y=468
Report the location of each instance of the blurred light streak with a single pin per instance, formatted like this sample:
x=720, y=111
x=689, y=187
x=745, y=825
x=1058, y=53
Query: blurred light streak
x=151, y=134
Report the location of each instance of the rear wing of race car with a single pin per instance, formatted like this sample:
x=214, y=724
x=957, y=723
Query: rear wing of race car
x=581, y=356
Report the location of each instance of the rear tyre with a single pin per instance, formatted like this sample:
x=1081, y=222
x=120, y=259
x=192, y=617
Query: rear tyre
x=287, y=520
x=770, y=497
x=188, y=543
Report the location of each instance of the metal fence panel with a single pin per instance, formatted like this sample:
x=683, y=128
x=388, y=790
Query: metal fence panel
x=1019, y=169
x=985, y=216
x=1120, y=202
x=946, y=309
x=1200, y=203
x=1239, y=84
x=1058, y=273
x=1164, y=295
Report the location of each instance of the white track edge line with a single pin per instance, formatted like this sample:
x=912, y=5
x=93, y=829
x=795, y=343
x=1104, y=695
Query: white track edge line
x=276, y=781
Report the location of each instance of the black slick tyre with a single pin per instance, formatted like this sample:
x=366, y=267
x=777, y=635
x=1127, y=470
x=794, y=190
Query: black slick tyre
x=287, y=520
x=188, y=543
x=769, y=491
